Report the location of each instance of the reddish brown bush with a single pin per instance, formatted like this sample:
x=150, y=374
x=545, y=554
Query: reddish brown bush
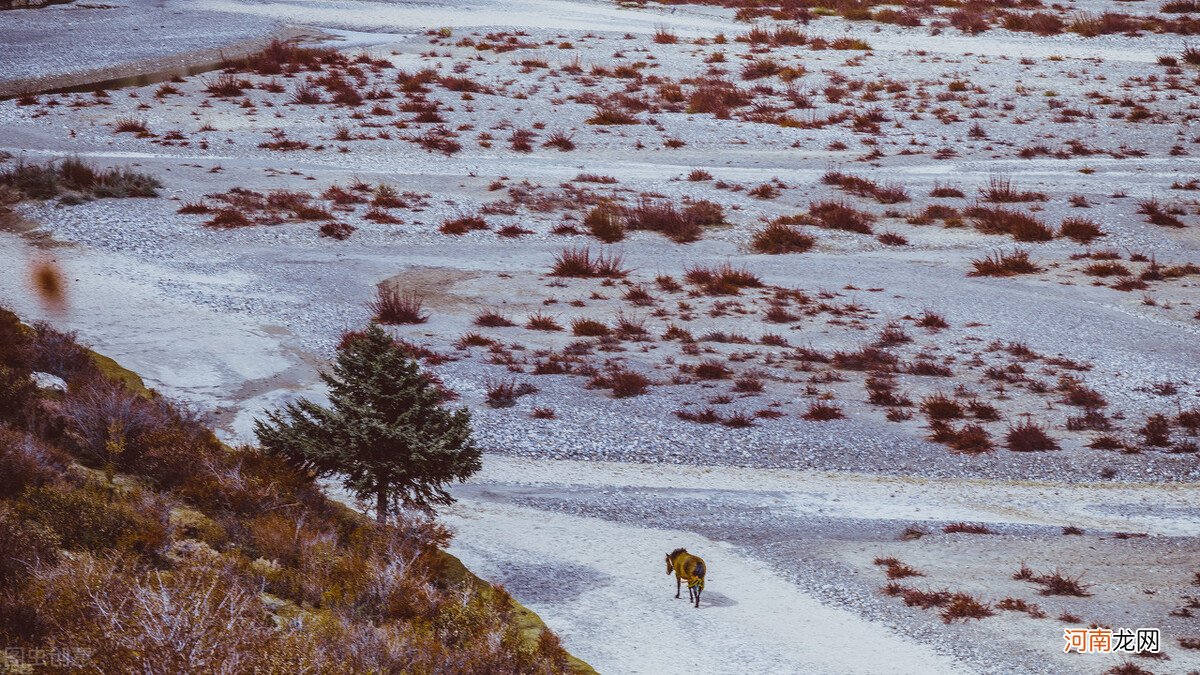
x=579, y=262
x=722, y=280
x=539, y=321
x=967, y=528
x=504, y=393
x=681, y=225
x=1029, y=436
x=604, y=222
x=589, y=328
x=998, y=220
x=1001, y=264
x=623, y=382
x=463, y=225
x=1001, y=190
x=867, y=358
x=823, y=412
x=963, y=606
x=711, y=369
x=492, y=319
x=778, y=238
x=391, y=306
x=840, y=216
x=938, y=406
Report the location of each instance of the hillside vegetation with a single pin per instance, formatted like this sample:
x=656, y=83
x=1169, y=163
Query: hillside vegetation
x=132, y=540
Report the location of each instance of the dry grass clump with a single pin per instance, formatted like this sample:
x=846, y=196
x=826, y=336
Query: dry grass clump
x=840, y=216
x=540, y=321
x=611, y=117
x=1019, y=605
x=778, y=238
x=894, y=569
x=963, y=606
x=890, y=194
x=1191, y=55
x=722, y=280
x=954, y=605
x=504, y=393
x=281, y=57
x=1156, y=431
x=705, y=416
x=130, y=125
x=823, y=412
x=583, y=327
x=580, y=262
x=1001, y=190
x=865, y=359
x=664, y=36
x=241, y=207
x=75, y=180
x=932, y=321
x=228, y=219
x=463, y=225
x=971, y=439
x=391, y=306
x=1081, y=230
x=623, y=382
x=604, y=222
x=717, y=97
x=227, y=85
x=1107, y=268
x=1041, y=23
x=1077, y=394
x=1055, y=583
x=946, y=191
x=489, y=318
x=940, y=407
x=1158, y=214
x=711, y=369
x=998, y=220
x=339, y=231
x=680, y=225
x=1001, y=264
x=1028, y=436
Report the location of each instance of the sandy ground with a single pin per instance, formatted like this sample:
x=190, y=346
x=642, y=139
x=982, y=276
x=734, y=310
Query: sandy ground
x=580, y=578
x=573, y=513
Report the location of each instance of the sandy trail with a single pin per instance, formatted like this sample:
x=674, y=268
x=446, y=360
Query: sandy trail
x=594, y=579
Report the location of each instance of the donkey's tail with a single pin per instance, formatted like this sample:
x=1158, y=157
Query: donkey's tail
x=698, y=574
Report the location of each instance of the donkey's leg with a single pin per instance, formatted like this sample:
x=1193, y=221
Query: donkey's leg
x=697, y=598
x=678, y=582
x=689, y=592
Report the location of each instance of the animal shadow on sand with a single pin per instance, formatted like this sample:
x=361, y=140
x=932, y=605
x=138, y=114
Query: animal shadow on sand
x=716, y=600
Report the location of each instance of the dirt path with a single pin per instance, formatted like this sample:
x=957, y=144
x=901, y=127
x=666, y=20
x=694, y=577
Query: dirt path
x=602, y=586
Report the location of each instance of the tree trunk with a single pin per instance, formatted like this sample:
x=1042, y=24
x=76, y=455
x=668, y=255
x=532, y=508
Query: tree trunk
x=381, y=506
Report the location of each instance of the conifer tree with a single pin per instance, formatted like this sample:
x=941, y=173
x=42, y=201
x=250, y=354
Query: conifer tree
x=385, y=432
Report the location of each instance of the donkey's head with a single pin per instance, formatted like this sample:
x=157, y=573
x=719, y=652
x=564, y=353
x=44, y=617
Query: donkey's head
x=671, y=558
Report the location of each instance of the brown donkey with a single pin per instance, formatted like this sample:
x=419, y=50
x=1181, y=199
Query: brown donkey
x=689, y=568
